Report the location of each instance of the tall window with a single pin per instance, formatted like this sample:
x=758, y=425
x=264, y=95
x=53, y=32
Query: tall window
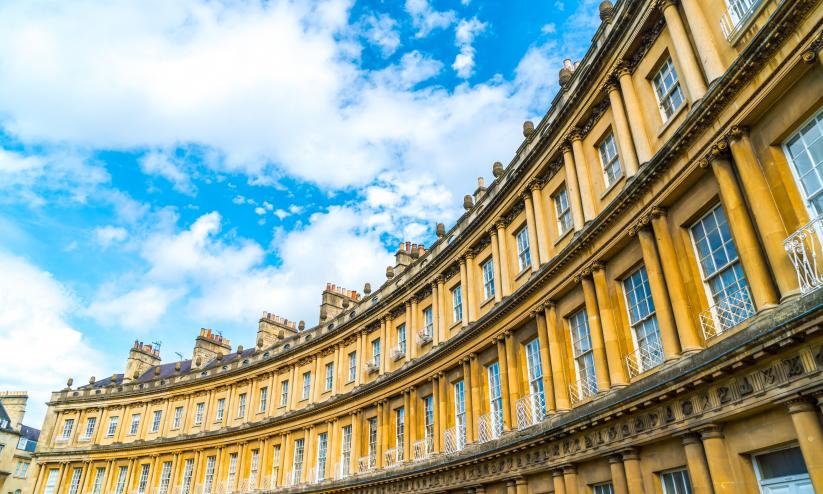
x=352, y=366
x=345, y=451
x=457, y=303
x=719, y=264
x=178, y=417
x=488, y=279
x=563, y=211
x=143, y=480
x=91, y=422
x=667, y=89
x=297, y=466
x=676, y=482
x=21, y=469
x=329, y=376
x=805, y=152
x=401, y=338
x=606, y=488
x=232, y=474
x=135, y=424
x=495, y=399
x=306, y=385
x=112, y=428
x=524, y=258
x=460, y=414
x=399, y=432
x=284, y=394
x=165, y=478
x=375, y=351
x=582, y=353
x=68, y=425
x=221, y=410
x=155, y=420
x=51, y=481
x=428, y=422
x=322, y=446
x=188, y=467
x=74, y=483
x=198, y=413
x=275, y=464
x=255, y=460
x=428, y=322
x=97, y=486
x=372, y=446
x=120, y=485
x=534, y=368
x=208, y=477
x=610, y=160
x=643, y=320
x=264, y=398
x=241, y=405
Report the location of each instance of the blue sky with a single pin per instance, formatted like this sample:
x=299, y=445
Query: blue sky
x=166, y=166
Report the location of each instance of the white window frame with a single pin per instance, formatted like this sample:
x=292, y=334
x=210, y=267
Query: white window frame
x=134, y=425
x=220, y=412
x=428, y=321
x=178, y=417
x=198, y=413
x=322, y=446
x=401, y=338
x=120, y=485
x=457, y=303
x=156, y=420
x=111, y=429
x=188, y=468
x=524, y=258
x=400, y=431
x=74, y=483
x=232, y=473
x=582, y=356
x=428, y=422
x=682, y=473
x=264, y=398
x=645, y=318
x=495, y=398
x=488, y=278
x=91, y=423
x=610, y=159
x=208, y=476
x=664, y=94
x=241, y=405
x=306, y=386
x=375, y=351
x=329, y=376
x=297, y=464
x=165, y=478
x=68, y=426
x=97, y=486
x=284, y=393
x=143, y=480
x=352, y=366
x=808, y=198
x=459, y=389
x=563, y=210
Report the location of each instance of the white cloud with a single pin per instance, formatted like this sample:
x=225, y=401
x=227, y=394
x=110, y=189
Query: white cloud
x=382, y=31
x=259, y=211
x=136, y=310
x=464, y=34
x=108, y=235
x=163, y=165
x=549, y=28
x=44, y=349
x=414, y=68
x=426, y=19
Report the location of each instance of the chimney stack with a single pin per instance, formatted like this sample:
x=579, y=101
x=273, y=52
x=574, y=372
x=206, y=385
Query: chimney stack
x=142, y=357
x=272, y=327
x=207, y=346
x=335, y=299
x=15, y=404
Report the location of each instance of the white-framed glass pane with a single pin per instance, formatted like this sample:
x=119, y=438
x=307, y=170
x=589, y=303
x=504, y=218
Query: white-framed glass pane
x=322, y=446
x=457, y=303
x=804, y=150
x=165, y=477
x=329, y=376
x=143, y=480
x=667, y=88
x=563, y=210
x=495, y=398
x=676, y=482
x=97, y=486
x=401, y=338
x=717, y=255
x=610, y=160
x=284, y=394
x=488, y=279
x=460, y=413
x=582, y=347
x=208, y=477
x=428, y=321
x=643, y=319
x=605, y=488
x=306, y=385
x=524, y=259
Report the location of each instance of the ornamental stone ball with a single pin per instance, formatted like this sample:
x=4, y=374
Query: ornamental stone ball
x=468, y=202
x=606, y=8
x=497, y=169
x=70, y=382
x=239, y=349
x=565, y=76
x=302, y=325
x=198, y=361
x=135, y=375
x=219, y=357
x=259, y=342
x=323, y=314
x=528, y=128
x=389, y=272
x=440, y=229
x=157, y=371
x=91, y=380
x=345, y=303
x=367, y=288
x=177, y=366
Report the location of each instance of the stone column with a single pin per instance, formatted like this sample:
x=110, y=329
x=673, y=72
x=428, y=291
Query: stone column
x=684, y=312
x=660, y=293
x=621, y=128
x=362, y=351
x=498, y=291
x=469, y=298
x=543, y=247
x=505, y=282
x=522, y=486
x=570, y=478
x=573, y=187
x=411, y=423
x=355, y=441
x=545, y=367
x=476, y=405
x=618, y=475
x=703, y=39
x=511, y=487
x=764, y=210
x=407, y=325
x=467, y=397
x=601, y=366
x=810, y=437
x=745, y=238
x=532, y=231
x=559, y=381
x=513, y=363
x=557, y=480
x=634, y=477
x=504, y=382
x=634, y=112
x=406, y=424
x=717, y=457
x=436, y=444
x=441, y=321
x=442, y=421
x=412, y=343
x=696, y=462
x=435, y=314
x=617, y=370
x=293, y=392
x=463, y=286
x=582, y=167
x=683, y=49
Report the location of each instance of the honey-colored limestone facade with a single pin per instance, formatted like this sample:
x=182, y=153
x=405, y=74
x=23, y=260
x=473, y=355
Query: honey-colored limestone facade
x=630, y=307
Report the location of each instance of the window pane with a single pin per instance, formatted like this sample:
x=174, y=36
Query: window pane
x=781, y=464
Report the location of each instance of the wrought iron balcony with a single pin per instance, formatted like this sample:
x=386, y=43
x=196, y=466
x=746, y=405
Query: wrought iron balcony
x=342, y=469
x=489, y=426
x=583, y=389
x=531, y=410
x=423, y=448
x=648, y=356
x=373, y=365
x=727, y=313
x=805, y=249
x=398, y=352
x=424, y=336
x=736, y=15
x=455, y=439
x=393, y=457
x=366, y=463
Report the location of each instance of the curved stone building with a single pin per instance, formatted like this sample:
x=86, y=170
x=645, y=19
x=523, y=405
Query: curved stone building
x=629, y=307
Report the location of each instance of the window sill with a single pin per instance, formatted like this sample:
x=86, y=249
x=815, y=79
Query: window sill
x=455, y=324
x=668, y=123
x=621, y=178
x=526, y=270
x=563, y=235
x=487, y=302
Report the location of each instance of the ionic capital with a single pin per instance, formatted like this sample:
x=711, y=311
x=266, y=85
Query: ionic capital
x=575, y=134
x=737, y=132
x=535, y=184
x=621, y=68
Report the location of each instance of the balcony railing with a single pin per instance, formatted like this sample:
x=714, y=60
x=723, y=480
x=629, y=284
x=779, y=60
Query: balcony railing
x=342, y=469
x=455, y=439
x=736, y=16
x=805, y=249
x=727, y=313
x=584, y=388
x=648, y=356
x=424, y=336
x=293, y=478
x=366, y=463
x=373, y=365
x=531, y=409
x=489, y=426
x=423, y=448
x=398, y=352
x=392, y=457
x=315, y=475
x=269, y=481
